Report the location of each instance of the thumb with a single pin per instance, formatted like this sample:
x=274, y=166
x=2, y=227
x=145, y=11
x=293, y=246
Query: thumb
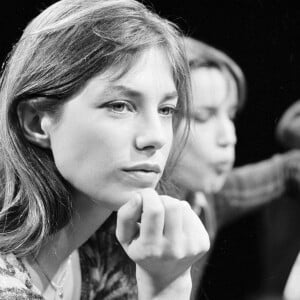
x=127, y=218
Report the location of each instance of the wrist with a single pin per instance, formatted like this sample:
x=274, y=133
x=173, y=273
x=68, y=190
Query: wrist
x=158, y=288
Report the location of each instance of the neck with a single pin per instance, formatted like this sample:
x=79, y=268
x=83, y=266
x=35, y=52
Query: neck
x=87, y=218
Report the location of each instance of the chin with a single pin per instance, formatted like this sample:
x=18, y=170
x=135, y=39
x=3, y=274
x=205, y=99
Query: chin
x=214, y=186
x=219, y=185
x=114, y=201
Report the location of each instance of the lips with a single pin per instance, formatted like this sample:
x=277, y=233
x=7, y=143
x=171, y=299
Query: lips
x=223, y=167
x=143, y=175
x=145, y=167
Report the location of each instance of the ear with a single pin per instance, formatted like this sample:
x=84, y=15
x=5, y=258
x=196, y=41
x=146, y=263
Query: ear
x=34, y=124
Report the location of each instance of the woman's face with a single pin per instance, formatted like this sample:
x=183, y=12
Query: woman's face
x=210, y=150
x=114, y=137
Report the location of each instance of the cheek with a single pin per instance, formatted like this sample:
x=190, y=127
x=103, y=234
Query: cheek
x=75, y=155
x=201, y=142
x=84, y=152
x=171, y=140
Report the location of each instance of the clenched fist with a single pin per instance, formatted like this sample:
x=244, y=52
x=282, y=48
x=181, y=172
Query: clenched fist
x=164, y=237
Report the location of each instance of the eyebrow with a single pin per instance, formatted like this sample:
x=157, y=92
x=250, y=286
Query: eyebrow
x=135, y=94
x=213, y=107
x=208, y=107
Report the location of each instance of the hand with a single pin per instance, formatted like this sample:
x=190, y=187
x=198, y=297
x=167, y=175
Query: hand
x=168, y=240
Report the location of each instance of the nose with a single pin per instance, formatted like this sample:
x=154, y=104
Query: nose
x=226, y=136
x=151, y=134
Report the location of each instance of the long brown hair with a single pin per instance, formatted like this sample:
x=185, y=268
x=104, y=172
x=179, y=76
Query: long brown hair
x=67, y=44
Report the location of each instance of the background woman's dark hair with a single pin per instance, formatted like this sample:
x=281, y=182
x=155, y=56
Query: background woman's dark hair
x=63, y=47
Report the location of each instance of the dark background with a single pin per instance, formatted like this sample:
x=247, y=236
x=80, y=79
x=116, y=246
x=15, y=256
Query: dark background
x=262, y=37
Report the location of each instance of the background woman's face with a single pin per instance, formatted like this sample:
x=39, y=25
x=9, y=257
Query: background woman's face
x=210, y=151
x=114, y=137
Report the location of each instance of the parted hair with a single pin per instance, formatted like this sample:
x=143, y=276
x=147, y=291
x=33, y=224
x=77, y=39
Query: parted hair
x=59, y=51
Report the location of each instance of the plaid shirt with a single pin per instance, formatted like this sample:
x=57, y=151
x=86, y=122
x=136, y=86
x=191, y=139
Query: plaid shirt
x=247, y=188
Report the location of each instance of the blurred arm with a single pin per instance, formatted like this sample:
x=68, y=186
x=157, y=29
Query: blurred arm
x=251, y=186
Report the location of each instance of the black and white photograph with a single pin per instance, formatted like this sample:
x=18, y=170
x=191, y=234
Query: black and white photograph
x=150, y=150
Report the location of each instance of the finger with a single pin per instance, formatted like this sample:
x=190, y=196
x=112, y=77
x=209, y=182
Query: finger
x=152, y=221
x=173, y=218
x=195, y=232
x=191, y=223
x=127, y=217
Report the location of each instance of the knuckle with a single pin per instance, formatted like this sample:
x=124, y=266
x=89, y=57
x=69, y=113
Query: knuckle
x=200, y=246
x=185, y=205
x=174, y=253
x=152, y=250
x=205, y=242
x=155, y=212
x=148, y=193
x=170, y=203
x=186, y=209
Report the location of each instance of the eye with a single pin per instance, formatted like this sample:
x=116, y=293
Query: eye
x=120, y=106
x=168, y=110
x=202, y=115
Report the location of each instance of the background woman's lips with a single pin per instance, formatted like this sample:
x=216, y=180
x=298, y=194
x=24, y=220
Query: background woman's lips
x=223, y=167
